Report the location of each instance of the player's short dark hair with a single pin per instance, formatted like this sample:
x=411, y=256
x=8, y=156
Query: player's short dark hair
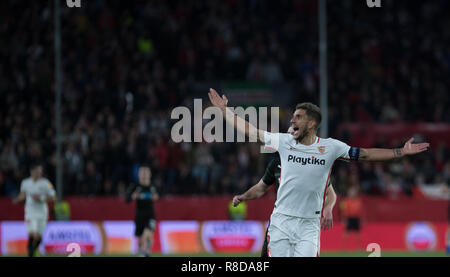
x=312, y=111
x=35, y=163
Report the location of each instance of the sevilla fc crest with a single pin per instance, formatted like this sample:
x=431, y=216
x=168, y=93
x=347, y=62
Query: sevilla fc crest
x=321, y=149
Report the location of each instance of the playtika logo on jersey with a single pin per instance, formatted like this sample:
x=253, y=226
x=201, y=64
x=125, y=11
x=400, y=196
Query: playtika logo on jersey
x=304, y=161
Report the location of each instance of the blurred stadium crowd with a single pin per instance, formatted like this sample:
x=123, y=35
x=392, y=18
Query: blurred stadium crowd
x=127, y=64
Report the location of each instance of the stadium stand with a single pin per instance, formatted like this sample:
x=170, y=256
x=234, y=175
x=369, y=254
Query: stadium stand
x=126, y=67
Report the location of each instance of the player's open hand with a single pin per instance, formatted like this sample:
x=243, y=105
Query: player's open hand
x=237, y=200
x=216, y=100
x=326, y=222
x=411, y=149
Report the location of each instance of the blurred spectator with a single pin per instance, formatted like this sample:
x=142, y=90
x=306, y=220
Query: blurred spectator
x=351, y=208
x=127, y=64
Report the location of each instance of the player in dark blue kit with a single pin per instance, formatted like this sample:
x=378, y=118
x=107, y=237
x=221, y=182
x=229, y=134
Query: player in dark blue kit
x=144, y=194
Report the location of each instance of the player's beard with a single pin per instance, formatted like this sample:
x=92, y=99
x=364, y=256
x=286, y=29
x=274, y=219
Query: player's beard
x=304, y=134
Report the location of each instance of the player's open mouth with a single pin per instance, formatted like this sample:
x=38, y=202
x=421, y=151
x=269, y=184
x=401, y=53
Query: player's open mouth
x=296, y=131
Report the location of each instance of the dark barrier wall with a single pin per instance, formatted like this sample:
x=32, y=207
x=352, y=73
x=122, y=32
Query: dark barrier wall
x=216, y=208
x=367, y=134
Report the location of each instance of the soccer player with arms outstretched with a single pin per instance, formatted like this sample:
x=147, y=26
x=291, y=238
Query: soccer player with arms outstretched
x=306, y=162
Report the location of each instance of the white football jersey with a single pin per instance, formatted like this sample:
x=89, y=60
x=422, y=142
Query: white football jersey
x=305, y=172
x=36, y=209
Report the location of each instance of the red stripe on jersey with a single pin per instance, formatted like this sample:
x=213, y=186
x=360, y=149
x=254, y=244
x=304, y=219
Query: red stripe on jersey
x=318, y=139
x=345, y=159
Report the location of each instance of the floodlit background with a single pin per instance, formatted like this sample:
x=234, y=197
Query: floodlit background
x=127, y=64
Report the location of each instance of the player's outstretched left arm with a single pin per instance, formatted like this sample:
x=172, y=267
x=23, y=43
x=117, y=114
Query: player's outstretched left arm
x=377, y=154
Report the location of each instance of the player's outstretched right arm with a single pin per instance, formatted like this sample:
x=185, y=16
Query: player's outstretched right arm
x=254, y=192
x=240, y=124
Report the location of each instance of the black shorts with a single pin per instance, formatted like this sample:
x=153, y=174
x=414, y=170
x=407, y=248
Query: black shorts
x=142, y=222
x=353, y=224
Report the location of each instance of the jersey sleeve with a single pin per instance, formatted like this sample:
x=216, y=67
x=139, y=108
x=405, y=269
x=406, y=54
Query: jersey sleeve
x=269, y=176
x=274, y=141
x=342, y=150
x=51, y=190
x=271, y=141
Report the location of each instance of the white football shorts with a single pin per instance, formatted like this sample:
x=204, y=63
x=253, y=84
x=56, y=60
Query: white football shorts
x=36, y=226
x=291, y=236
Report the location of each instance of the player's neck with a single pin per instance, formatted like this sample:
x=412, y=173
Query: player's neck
x=309, y=139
